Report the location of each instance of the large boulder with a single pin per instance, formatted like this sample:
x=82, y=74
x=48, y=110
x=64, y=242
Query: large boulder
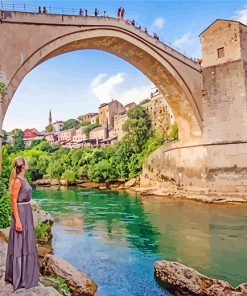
x=183, y=280
x=46, y=182
x=79, y=283
x=42, y=219
x=132, y=182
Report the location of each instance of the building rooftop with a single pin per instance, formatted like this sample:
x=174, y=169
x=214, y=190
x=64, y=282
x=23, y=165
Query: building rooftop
x=97, y=129
x=221, y=20
x=58, y=121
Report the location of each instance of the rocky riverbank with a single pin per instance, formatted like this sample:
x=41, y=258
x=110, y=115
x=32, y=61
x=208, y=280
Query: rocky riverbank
x=138, y=187
x=183, y=280
x=54, y=270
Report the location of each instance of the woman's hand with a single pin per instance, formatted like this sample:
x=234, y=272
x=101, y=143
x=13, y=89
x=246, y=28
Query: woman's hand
x=18, y=226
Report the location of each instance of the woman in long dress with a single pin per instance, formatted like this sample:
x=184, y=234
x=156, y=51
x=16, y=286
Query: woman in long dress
x=22, y=261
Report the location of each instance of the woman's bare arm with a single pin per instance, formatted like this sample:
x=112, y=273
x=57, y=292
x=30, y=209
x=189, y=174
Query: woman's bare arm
x=14, y=197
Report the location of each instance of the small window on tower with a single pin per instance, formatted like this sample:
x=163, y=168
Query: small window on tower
x=221, y=52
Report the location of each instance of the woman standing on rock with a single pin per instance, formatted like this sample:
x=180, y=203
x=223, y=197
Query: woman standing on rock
x=22, y=261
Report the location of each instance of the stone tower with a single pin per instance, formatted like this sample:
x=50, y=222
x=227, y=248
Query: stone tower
x=224, y=69
x=50, y=118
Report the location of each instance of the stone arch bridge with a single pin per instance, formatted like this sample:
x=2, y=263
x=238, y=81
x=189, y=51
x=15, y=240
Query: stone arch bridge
x=29, y=39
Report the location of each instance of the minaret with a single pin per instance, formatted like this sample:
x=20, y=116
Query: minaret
x=50, y=119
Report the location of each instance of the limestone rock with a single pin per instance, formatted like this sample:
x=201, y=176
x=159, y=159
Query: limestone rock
x=79, y=283
x=131, y=182
x=46, y=182
x=63, y=182
x=91, y=185
x=183, y=280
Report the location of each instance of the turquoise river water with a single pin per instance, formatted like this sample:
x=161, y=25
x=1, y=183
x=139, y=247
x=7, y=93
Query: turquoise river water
x=115, y=238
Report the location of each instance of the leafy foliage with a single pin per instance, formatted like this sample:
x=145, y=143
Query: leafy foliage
x=18, y=143
x=90, y=127
x=5, y=206
x=71, y=123
x=2, y=91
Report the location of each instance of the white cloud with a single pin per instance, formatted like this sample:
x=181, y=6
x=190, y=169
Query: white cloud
x=103, y=88
x=135, y=94
x=241, y=16
x=107, y=88
x=159, y=22
x=188, y=43
x=183, y=40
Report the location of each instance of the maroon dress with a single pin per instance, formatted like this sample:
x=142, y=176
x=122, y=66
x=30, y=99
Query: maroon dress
x=22, y=261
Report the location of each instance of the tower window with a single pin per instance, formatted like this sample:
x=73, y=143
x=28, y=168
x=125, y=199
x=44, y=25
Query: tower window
x=221, y=52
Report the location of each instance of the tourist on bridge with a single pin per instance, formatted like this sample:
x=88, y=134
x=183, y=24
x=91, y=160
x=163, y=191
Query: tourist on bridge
x=156, y=36
x=45, y=10
x=146, y=31
x=96, y=12
x=81, y=12
x=104, y=13
x=40, y=11
x=133, y=23
x=122, y=13
x=119, y=12
x=86, y=13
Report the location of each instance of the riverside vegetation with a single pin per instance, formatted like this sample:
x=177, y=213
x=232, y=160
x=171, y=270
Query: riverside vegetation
x=121, y=161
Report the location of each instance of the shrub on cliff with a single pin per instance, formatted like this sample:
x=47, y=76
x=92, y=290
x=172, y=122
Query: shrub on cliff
x=5, y=206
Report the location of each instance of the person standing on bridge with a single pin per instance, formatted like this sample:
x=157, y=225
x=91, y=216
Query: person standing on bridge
x=122, y=13
x=81, y=12
x=96, y=12
x=45, y=10
x=39, y=9
x=104, y=15
x=22, y=260
x=86, y=13
x=119, y=12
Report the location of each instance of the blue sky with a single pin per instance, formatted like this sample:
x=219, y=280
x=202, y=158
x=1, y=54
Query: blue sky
x=77, y=82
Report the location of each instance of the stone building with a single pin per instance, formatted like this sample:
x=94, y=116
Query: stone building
x=107, y=112
x=98, y=133
x=119, y=120
x=87, y=116
x=51, y=137
x=79, y=134
x=94, y=119
x=129, y=106
x=57, y=125
x=160, y=113
x=32, y=134
x=66, y=135
x=224, y=59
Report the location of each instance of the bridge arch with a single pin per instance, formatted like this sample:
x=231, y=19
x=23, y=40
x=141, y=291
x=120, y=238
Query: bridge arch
x=126, y=42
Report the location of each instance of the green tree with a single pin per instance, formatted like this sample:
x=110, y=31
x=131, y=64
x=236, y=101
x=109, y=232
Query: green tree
x=90, y=127
x=144, y=101
x=49, y=128
x=85, y=123
x=71, y=123
x=5, y=206
x=173, y=133
x=34, y=143
x=6, y=165
x=18, y=143
x=101, y=171
x=137, y=128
